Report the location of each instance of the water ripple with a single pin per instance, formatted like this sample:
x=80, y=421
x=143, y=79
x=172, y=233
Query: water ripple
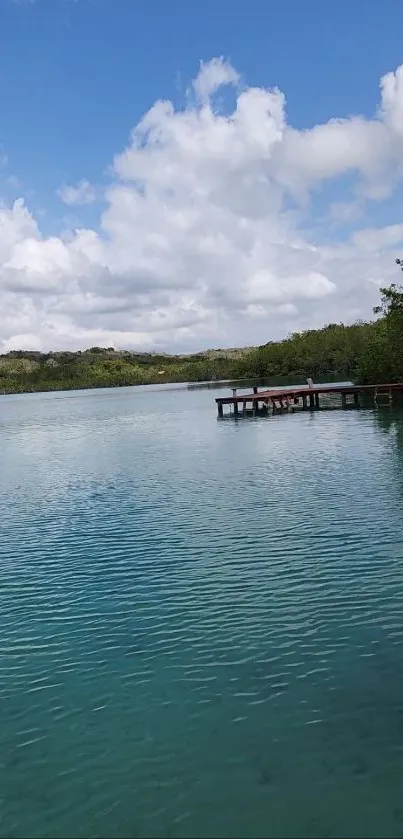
x=201, y=621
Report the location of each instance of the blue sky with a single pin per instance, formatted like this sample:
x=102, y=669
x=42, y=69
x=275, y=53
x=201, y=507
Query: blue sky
x=78, y=75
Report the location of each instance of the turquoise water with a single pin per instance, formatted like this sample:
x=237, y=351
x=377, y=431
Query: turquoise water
x=201, y=621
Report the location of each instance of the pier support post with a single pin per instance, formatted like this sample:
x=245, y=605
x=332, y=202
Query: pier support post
x=390, y=397
x=236, y=412
x=244, y=407
x=317, y=404
x=311, y=400
x=356, y=399
x=343, y=400
x=304, y=403
x=220, y=409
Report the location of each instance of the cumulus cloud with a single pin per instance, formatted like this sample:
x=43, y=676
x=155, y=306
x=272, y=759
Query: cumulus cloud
x=213, y=75
x=81, y=193
x=208, y=236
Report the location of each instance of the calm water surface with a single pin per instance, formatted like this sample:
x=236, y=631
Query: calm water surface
x=201, y=621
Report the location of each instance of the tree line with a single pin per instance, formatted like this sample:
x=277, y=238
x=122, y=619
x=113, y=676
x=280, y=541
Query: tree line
x=366, y=352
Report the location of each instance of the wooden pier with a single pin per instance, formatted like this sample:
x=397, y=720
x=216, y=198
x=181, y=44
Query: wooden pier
x=306, y=397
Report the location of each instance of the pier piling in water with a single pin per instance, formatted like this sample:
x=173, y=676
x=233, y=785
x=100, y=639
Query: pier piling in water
x=289, y=399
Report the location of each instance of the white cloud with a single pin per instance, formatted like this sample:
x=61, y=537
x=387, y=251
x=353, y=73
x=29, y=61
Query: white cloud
x=374, y=239
x=82, y=193
x=213, y=75
x=204, y=237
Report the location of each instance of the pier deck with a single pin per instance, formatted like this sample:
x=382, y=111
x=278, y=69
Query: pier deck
x=305, y=397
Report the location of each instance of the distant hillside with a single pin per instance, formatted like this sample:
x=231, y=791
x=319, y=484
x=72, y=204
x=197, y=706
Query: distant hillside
x=26, y=371
x=232, y=353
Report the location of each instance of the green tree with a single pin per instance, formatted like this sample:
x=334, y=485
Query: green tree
x=382, y=359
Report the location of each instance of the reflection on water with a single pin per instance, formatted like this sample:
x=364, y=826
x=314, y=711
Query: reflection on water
x=201, y=621
x=248, y=383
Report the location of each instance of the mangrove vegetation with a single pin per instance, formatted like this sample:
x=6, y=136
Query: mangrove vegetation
x=365, y=352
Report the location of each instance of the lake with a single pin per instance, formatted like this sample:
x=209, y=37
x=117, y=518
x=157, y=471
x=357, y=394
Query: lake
x=201, y=621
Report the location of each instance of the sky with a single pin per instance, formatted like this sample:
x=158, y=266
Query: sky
x=177, y=175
